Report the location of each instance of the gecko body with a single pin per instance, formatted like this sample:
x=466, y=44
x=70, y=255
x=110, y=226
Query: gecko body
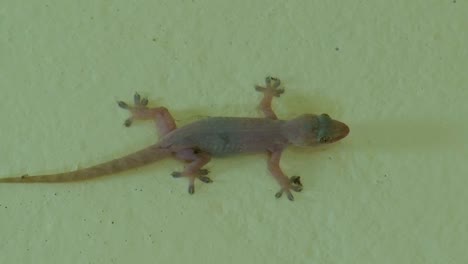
x=196, y=143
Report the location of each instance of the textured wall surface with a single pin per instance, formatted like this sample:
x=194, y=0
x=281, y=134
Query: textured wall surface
x=394, y=191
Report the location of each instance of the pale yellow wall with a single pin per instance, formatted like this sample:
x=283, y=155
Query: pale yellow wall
x=394, y=191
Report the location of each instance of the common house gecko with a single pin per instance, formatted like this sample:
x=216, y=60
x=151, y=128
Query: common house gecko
x=196, y=143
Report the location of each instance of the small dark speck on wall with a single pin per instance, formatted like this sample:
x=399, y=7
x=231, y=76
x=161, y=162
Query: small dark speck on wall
x=337, y=49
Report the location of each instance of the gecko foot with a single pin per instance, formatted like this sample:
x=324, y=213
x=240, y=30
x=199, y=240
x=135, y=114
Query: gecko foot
x=140, y=104
x=294, y=184
x=272, y=86
x=201, y=175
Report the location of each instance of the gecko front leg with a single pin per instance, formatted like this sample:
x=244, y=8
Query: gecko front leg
x=140, y=111
x=271, y=89
x=194, y=169
x=286, y=184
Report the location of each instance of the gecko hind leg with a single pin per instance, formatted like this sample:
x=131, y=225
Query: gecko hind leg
x=140, y=111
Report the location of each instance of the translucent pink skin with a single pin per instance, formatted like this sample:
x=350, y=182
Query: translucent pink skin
x=197, y=142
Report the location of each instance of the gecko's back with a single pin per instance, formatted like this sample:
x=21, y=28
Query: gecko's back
x=222, y=136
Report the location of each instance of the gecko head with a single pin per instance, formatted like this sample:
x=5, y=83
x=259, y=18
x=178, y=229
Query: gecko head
x=310, y=130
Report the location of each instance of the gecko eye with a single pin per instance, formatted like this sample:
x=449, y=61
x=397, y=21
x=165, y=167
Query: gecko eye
x=324, y=139
x=324, y=126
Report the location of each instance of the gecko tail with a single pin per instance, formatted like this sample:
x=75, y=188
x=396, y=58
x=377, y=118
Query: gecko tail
x=137, y=159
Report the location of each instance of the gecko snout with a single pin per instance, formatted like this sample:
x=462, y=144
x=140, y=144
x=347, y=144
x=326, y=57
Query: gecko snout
x=331, y=130
x=338, y=131
x=344, y=130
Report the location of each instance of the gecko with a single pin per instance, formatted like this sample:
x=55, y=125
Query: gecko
x=196, y=143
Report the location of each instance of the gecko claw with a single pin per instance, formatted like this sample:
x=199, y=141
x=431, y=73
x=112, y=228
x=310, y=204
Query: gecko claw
x=279, y=194
x=288, y=194
x=128, y=122
x=176, y=174
x=136, y=98
x=205, y=179
x=191, y=189
x=123, y=105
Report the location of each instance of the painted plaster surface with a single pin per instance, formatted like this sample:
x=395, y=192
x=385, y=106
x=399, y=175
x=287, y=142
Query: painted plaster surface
x=394, y=191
